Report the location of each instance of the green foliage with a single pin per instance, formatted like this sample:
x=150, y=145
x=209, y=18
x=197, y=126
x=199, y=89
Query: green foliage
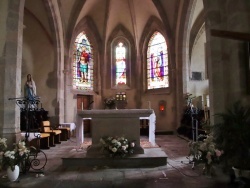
x=232, y=135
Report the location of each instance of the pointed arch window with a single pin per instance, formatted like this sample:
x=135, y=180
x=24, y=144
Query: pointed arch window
x=157, y=62
x=120, y=62
x=82, y=63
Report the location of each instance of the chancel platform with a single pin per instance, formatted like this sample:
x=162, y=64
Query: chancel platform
x=152, y=157
x=124, y=122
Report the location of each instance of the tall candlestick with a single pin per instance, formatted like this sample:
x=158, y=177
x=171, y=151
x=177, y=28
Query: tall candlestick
x=206, y=112
x=149, y=105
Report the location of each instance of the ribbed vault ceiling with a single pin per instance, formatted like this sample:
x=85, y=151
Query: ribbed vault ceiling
x=108, y=14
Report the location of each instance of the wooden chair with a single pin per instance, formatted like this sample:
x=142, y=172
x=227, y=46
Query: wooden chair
x=42, y=142
x=37, y=139
x=65, y=133
x=55, y=135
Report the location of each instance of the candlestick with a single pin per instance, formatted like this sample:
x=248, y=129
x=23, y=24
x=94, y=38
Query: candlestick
x=149, y=105
x=206, y=112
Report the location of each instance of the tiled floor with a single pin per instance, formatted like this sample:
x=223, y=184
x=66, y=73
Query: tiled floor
x=178, y=173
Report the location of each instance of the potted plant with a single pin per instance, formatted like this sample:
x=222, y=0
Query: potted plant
x=12, y=159
x=232, y=135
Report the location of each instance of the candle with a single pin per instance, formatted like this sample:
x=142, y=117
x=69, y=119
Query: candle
x=205, y=112
x=82, y=105
x=149, y=105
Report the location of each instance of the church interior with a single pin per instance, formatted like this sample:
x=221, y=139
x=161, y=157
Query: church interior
x=162, y=57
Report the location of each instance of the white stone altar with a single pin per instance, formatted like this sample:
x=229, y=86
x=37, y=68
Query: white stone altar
x=123, y=122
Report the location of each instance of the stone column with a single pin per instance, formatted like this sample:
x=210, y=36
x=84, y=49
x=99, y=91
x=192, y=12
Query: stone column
x=10, y=70
x=225, y=58
x=214, y=20
x=238, y=21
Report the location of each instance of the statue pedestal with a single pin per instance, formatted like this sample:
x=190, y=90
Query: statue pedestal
x=125, y=122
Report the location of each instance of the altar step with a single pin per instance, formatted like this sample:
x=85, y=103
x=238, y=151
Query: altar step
x=152, y=157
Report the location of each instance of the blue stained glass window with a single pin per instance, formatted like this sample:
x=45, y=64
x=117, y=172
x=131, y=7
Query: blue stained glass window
x=157, y=62
x=82, y=63
x=120, y=59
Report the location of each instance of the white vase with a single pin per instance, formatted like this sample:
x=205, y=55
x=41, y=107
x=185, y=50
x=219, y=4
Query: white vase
x=13, y=175
x=241, y=173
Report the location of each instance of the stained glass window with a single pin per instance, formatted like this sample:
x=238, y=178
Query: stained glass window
x=82, y=63
x=157, y=62
x=120, y=61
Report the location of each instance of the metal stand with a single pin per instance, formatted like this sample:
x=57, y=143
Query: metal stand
x=195, y=123
x=37, y=158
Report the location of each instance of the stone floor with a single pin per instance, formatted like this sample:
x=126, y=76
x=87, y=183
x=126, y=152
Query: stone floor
x=178, y=172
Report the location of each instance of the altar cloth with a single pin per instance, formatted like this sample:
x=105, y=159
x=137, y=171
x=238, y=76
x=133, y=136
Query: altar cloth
x=72, y=126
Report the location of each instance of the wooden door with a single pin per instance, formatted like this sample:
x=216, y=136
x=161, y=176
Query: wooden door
x=83, y=103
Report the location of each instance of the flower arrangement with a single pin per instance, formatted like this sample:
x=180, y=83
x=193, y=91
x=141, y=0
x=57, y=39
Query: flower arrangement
x=10, y=158
x=205, y=151
x=117, y=146
x=109, y=102
x=3, y=147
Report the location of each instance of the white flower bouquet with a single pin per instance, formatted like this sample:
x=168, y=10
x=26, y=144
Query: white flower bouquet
x=117, y=146
x=10, y=158
x=3, y=147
